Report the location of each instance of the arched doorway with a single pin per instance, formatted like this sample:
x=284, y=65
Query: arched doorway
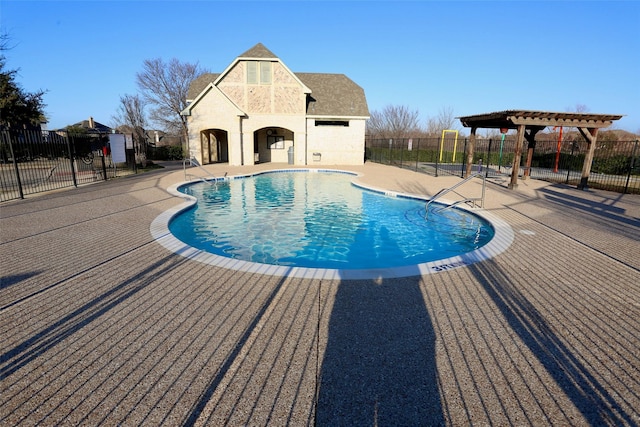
x=271, y=144
x=215, y=146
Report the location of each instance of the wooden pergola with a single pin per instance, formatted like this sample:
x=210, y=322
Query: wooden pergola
x=528, y=124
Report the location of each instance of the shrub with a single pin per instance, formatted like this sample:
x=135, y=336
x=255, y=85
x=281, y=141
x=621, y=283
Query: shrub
x=172, y=152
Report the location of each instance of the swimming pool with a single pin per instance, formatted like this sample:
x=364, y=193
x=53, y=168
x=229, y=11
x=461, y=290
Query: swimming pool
x=305, y=223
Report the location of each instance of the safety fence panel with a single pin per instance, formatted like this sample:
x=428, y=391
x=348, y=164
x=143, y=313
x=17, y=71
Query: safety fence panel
x=615, y=165
x=37, y=161
x=427, y=155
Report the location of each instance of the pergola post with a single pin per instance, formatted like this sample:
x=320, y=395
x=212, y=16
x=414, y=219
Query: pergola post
x=470, y=148
x=516, y=158
x=531, y=139
x=591, y=135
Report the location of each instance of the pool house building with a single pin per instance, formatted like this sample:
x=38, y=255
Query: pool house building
x=258, y=111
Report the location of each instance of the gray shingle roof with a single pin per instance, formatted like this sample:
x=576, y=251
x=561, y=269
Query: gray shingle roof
x=200, y=83
x=97, y=127
x=333, y=95
x=258, y=51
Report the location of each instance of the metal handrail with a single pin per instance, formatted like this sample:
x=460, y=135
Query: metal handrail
x=194, y=162
x=453, y=187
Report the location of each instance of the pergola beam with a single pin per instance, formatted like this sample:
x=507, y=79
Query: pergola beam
x=534, y=121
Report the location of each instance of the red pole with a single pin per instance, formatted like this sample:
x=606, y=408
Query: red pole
x=555, y=167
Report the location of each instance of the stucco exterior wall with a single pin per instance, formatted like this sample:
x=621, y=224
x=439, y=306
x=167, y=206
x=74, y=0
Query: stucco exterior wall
x=295, y=129
x=233, y=85
x=246, y=111
x=215, y=112
x=337, y=145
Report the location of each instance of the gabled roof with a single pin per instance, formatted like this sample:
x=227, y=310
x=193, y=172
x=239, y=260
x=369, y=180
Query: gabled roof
x=334, y=95
x=331, y=95
x=198, y=85
x=258, y=52
x=97, y=127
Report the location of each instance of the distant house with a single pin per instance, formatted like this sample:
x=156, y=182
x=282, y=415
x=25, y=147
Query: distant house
x=92, y=127
x=152, y=138
x=257, y=110
x=158, y=138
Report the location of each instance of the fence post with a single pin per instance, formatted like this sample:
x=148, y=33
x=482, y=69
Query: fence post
x=464, y=159
x=486, y=174
x=15, y=167
x=573, y=146
x=104, y=166
x=500, y=157
x=631, y=166
x=437, y=164
x=71, y=159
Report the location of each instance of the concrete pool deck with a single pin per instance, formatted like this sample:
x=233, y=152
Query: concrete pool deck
x=100, y=324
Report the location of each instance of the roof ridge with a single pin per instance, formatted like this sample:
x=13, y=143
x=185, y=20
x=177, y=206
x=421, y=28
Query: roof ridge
x=258, y=51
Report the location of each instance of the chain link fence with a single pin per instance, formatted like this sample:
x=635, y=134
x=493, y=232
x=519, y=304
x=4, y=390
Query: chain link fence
x=615, y=166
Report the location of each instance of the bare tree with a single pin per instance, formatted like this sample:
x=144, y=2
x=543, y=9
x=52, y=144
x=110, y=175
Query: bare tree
x=5, y=38
x=376, y=126
x=131, y=114
x=570, y=132
x=165, y=86
x=393, y=122
x=578, y=108
x=445, y=120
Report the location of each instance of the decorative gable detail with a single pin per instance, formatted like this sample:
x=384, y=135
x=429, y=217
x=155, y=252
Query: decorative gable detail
x=257, y=110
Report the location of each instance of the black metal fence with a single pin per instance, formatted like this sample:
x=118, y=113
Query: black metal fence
x=615, y=166
x=37, y=161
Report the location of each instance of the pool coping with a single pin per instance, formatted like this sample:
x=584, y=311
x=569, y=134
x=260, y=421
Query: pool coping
x=106, y=324
x=159, y=229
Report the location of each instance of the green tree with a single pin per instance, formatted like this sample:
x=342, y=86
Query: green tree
x=76, y=130
x=18, y=108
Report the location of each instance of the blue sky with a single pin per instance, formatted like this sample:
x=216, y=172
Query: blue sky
x=470, y=57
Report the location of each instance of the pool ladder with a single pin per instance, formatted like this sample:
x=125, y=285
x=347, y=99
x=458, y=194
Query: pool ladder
x=469, y=200
x=192, y=161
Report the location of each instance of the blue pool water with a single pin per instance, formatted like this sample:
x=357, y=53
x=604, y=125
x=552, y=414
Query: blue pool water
x=321, y=220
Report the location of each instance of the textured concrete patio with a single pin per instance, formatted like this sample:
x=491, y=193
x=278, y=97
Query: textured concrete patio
x=99, y=324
